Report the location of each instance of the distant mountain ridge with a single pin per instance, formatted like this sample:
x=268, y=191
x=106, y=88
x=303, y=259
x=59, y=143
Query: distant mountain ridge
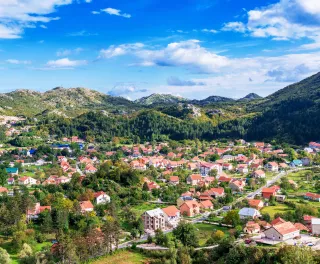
x=160, y=99
x=250, y=96
x=70, y=101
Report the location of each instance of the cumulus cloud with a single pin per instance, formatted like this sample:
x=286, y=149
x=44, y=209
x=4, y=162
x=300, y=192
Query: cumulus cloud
x=234, y=26
x=282, y=75
x=261, y=72
x=16, y=15
x=175, y=81
x=14, y=61
x=284, y=20
x=112, y=12
x=114, y=51
x=65, y=63
x=125, y=89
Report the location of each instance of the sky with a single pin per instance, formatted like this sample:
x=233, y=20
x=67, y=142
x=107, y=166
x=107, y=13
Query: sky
x=190, y=48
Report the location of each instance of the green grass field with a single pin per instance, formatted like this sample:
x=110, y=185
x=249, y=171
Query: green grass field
x=204, y=232
x=272, y=210
x=122, y=257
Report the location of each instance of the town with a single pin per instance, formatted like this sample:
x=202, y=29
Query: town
x=140, y=195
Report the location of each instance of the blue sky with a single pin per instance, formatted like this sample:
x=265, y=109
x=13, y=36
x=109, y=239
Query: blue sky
x=192, y=48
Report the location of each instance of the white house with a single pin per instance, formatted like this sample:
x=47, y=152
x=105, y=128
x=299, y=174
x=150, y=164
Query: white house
x=315, y=226
x=101, y=197
x=249, y=213
x=282, y=232
x=172, y=216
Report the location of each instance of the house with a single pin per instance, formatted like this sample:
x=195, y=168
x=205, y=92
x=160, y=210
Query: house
x=206, y=204
x=312, y=196
x=90, y=169
x=174, y=180
x=190, y=208
x=272, y=166
x=249, y=213
x=206, y=167
x=277, y=221
x=283, y=166
x=296, y=163
x=216, y=192
x=315, y=226
x=268, y=192
x=11, y=181
x=282, y=232
x=259, y=174
x=242, y=168
x=237, y=185
x=25, y=180
x=194, y=179
x=314, y=145
x=306, y=161
x=184, y=198
x=257, y=204
x=307, y=219
x=154, y=219
x=3, y=190
x=86, y=206
x=152, y=185
x=252, y=228
x=12, y=171
x=301, y=227
x=172, y=215
x=101, y=198
x=34, y=212
x=227, y=166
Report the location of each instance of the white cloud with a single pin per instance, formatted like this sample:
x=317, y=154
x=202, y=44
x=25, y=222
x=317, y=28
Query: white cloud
x=114, y=51
x=43, y=26
x=209, y=30
x=66, y=52
x=95, y=12
x=65, y=63
x=235, y=76
x=284, y=20
x=115, y=12
x=14, y=61
x=7, y=32
x=16, y=15
x=234, y=26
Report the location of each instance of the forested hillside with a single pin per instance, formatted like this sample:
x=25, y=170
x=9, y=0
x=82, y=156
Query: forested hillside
x=291, y=114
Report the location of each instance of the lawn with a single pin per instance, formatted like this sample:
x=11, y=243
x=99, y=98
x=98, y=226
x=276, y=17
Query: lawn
x=204, y=232
x=122, y=257
x=272, y=210
x=304, y=185
x=141, y=208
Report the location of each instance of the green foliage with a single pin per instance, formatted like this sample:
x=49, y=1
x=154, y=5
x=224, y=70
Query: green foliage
x=186, y=233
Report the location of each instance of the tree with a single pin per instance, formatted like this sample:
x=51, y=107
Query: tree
x=232, y=218
x=161, y=238
x=184, y=256
x=186, y=233
x=66, y=250
x=296, y=255
x=26, y=251
x=4, y=256
x=217, y=236
x=3, y=176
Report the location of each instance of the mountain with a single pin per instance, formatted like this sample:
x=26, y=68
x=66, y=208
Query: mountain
x=155, y=99
x=291, y=114
x=211, y=100
x=67, y=102
x=250, y=96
